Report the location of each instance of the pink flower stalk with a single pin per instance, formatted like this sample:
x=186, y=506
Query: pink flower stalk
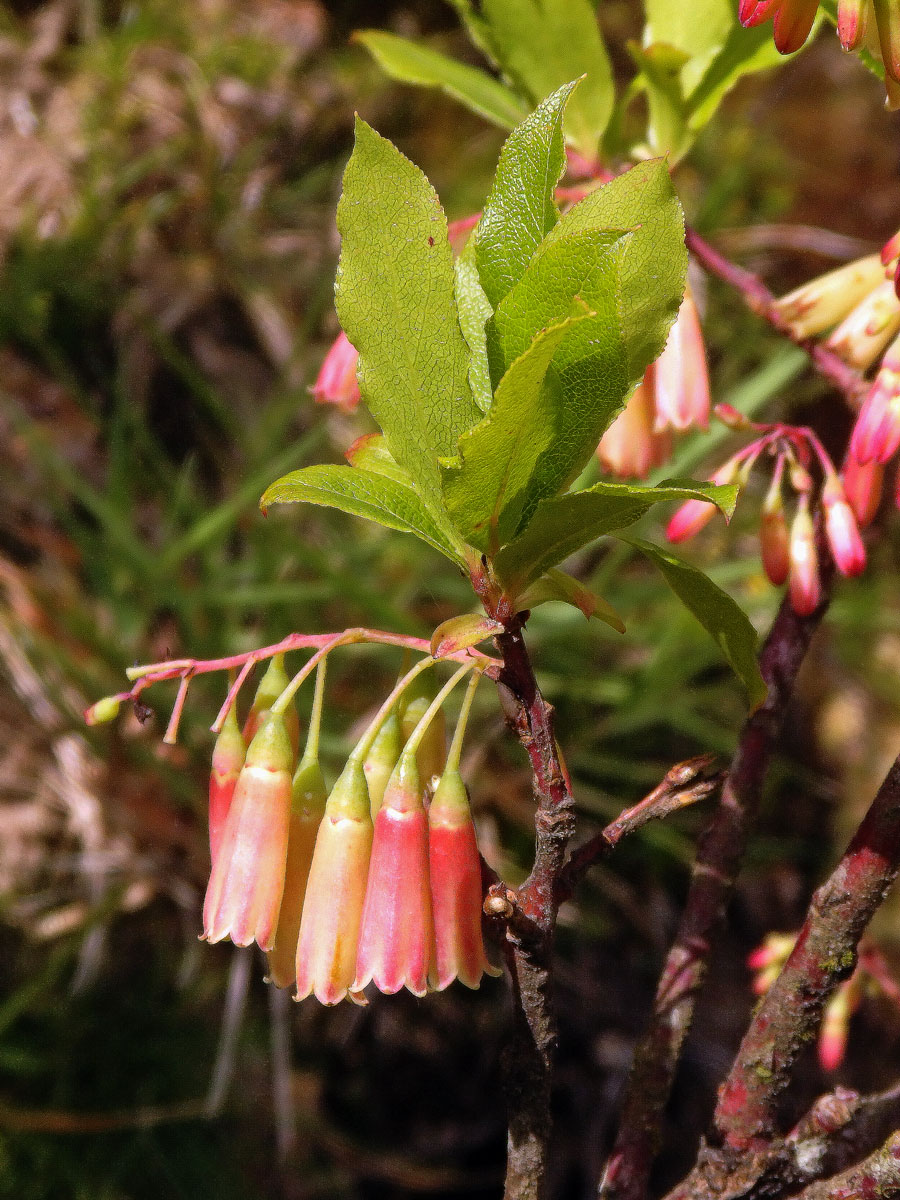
x=694, y=515
x=773, y=535
x=876, y=435
x=874, y=322
x=335, y=892
x=680, y=379
x=396, y=940
x=803, y=584
x=824, y=301
x=228, y=758
x=308, y=795
x=456, y=891
x=336, y=382
x=247, y=879
x=841, y=529
x=862, y=487
x=630, y=447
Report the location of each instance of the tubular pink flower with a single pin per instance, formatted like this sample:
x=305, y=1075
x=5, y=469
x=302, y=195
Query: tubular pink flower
x=773, y=536
x=456, y=891
x=247, y=879
x=335, y=891
x=874, y=322
x=841, y=529
x=396, y=940
x=828, y=299
x=754, y=12
x=852, y=19
x=336, y=382
x=876, y=435
x=887, y=19
x=228, y=758
x=862, y=487
x=630, y=448
x=793, y=21
x=694, y=515
x=804, y=585
x=680, y=379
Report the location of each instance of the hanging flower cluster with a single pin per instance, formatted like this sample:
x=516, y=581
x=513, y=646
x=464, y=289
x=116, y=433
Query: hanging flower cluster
x=788, y=549
x=872, y=977
x=793, y=20
x=377, y=881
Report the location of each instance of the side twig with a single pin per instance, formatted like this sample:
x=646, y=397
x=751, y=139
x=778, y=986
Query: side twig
x=719, y=856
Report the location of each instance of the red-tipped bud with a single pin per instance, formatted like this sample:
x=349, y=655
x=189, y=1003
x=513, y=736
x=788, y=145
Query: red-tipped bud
x=804, y=584
x=887, y=19
x=754, y=12
x=228, y=757
x=308, y=795
x=862, y=336
x=456, y=890
x=630, y=448
x=890, y=251
x=836, y=1023
x=272, y=684
x=773, y=537
x=396, y=941
x=841, y=529
x=245, y=887
x=693, y=515
x=335, y=892
x=730, y=416
x=336, y=382
x=793, y=21
x=382, y=758
x=862, y=486
x=432, y=752
x=680, y=379
x=876, y=435
x=827, y=299
x=773, y=951
x=852, y=19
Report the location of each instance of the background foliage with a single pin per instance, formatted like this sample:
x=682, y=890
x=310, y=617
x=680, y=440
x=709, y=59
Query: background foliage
x=168, y=250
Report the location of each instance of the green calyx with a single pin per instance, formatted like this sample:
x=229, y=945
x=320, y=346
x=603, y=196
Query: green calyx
x=308, y=790
x=382, y=758
x=349, y=797
x=450, y=803
x=404, y=789
x=271, y=746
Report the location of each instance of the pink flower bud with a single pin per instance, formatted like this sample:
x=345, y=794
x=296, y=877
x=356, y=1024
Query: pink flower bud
x=804, y=584
x=827, y=299
x=630, y=448
x=862, y=486
x=754, y=12
x=852, y=18
x=793, y=21
x=836, y=1023
x=335, y=892
x=308, y=795
x=693, y=515
x=890, y=251
x=876, y=434
x=873, y=323
x=773, y=537
x=245, y=886
x=680, y=379
x=396, y=940
x=456, y=890
x=228, y=757
x=841, y=529
x=336, y=382
x=887, y=19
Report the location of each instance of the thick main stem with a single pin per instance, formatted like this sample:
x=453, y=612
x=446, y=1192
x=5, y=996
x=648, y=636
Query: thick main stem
x=719, y=856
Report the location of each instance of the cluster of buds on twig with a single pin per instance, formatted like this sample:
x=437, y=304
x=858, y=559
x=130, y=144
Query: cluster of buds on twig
x=377, y=880
x=789, y=550
x=859, y=304
x=872, y=977
x=672, y=397
x=793, y=21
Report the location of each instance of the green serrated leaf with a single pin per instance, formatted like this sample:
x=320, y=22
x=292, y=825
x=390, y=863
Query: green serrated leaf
x=653, y=269
x=370, y=453
x=719, y=615
x=557, y=585
x=563, y=524
x=486, y=486
x=542, y=43
x=474, y=310
x=588, y=378
x=395, y=299
x=362, y=493
x=411, y=62
x=521, y=207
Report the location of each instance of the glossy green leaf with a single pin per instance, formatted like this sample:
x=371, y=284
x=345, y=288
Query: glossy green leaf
x=541, y=44
x=362, y=494
x=588, y=377
x=474, y=310
x=654, y=265
x=395, y=299
x=557, y=585
x=486, y=486
x=411, y=62
x=564, y=524
x=521, y=208
x=370, y=453
x=719, y=615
